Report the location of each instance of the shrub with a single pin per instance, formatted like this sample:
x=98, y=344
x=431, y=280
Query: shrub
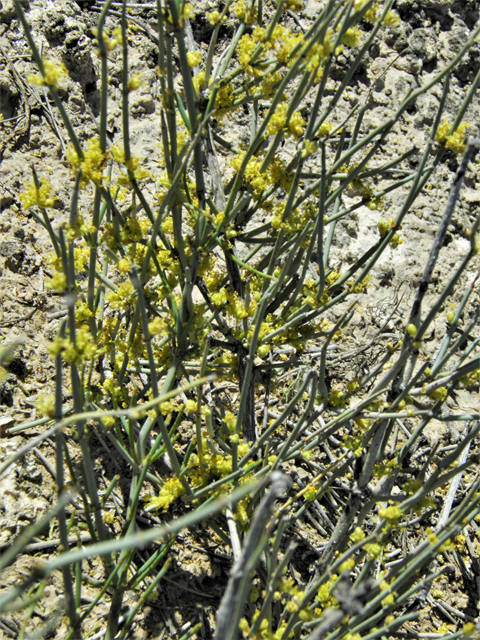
x=202, y=308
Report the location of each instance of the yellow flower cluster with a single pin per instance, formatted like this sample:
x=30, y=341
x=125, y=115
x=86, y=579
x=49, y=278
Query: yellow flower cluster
x=135, y=81
x=45, y=405
x=276, y=173
x=294, y=5
x=283, y=43
x=133, y=164
x=157, y=326
x=122, y=297
x=82, y=313
x=214, y=17
x=311, y=493
x=194, y=58
x=246, y=47
x=199, y=81
x=224, y=99
x=337, y=398
x=135, y=229
x=384, y=226
x=234, y=307
x=412, y=486
x=391, y=514
x=374, y=550
x=53, y=72
x=392, y=19
x=84, y=348
x=278, y=121
x=81, y=228
x=320, y=53
x=240, y=10
x=361, y=287
x=124, y=265
x=280, y=45
x=201, y=470
x=164, y=184
x=187, y=10
x=110, y=42
x=171, y=490
x=357, y=535
x=469, y=628
x=438, y=394
x=354, y=443
x=34, y=197
x=58, y=283
x=384, y=469
x=265, y=632
x=324, y=595
x=118, y=394
x=455, y=140
x=309, y=148
x=351, y=37
x=92, y=163
x=295, y=222
x=389, y=599
x=472, y=378
x=371, y=14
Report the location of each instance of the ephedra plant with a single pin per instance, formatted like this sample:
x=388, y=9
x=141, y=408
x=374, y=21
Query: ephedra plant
x=199, y=345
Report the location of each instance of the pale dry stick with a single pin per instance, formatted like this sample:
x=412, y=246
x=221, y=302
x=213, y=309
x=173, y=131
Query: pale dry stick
x=235, y=538
x=11, y=631
x=48, y=544
x=423, y=595
x=234, y=598
x=150, y=7
x=443, y=610
x=448, y=608
x=447, y=505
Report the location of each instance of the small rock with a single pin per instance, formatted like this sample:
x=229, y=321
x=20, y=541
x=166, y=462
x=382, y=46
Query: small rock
x=142, y=104
x=423, y=43
x=8, y=95
x=7, y=10
x=5, y=423
x=14, y=252
x=5, y=220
